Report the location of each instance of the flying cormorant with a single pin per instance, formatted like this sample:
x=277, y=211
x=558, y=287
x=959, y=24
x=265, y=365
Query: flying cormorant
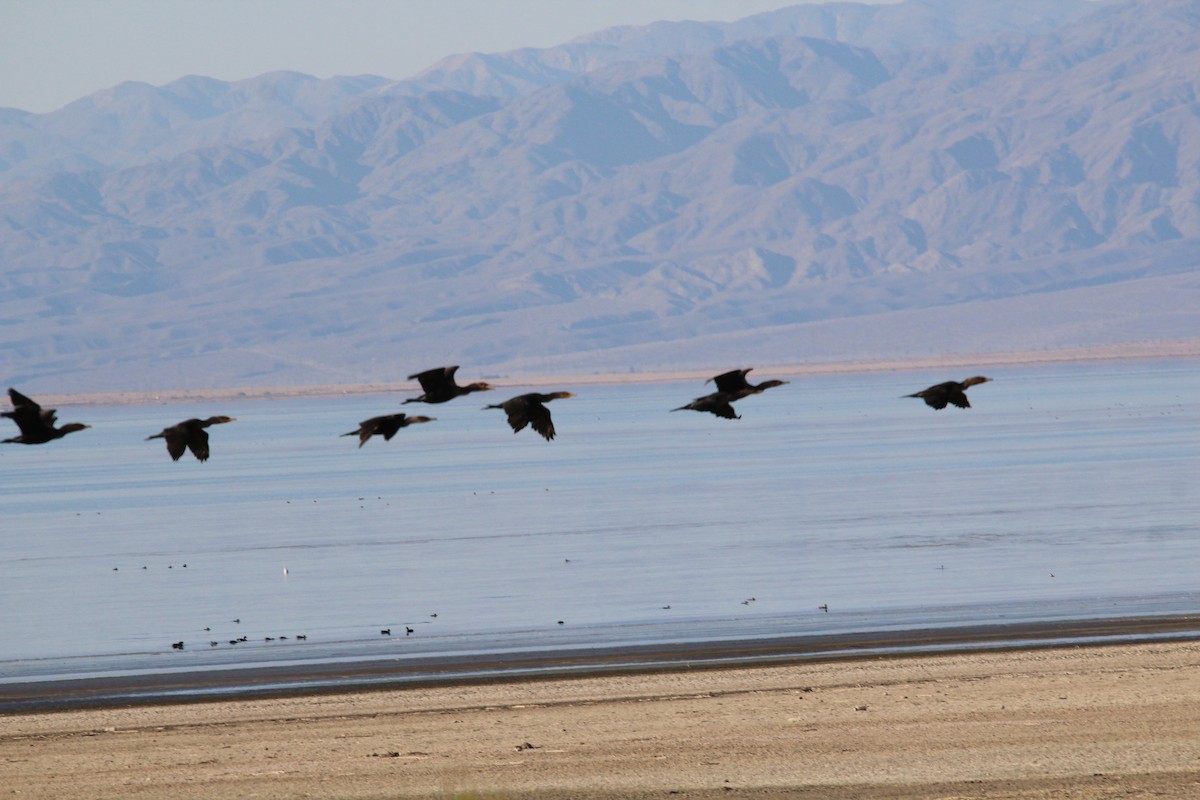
x=529, y=409
x=189, y=435
x=439, y=386
x=385, y=426
x=950, y=392
x=734, y=383
x=36, y=423
x=717, y=403
x=731, y=387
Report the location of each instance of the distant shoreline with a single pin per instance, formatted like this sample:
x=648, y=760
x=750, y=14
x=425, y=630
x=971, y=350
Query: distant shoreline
x=1180, y=348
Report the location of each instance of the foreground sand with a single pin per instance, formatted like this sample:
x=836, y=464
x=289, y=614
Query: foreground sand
x=1096, y=722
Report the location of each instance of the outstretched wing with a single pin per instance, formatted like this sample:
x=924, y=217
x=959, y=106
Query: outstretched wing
x=197, y=442
x=539, y=419
x=176, y=441
x=19, y=400
x=387, y=426
x=432, y=380
x=366, y=429
x=30, y=417
x=934, y=397
x=517, y=410
x=733, y=381
x=722, y=408
x=958, y=398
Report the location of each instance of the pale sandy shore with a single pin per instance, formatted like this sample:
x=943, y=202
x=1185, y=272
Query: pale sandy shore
x=1181, y=348
x=1085, y=722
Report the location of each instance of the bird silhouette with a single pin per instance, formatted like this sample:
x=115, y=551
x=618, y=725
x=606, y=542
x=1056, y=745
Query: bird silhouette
x=385, y=426
x=439, y=386
x=731, y=387
x=189, y=435
x=734, y=383
x=36, y=423
x=948, y=393
x=530, y=409
x=717, y=403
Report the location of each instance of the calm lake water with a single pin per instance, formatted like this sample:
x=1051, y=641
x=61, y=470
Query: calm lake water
x=1068, y=491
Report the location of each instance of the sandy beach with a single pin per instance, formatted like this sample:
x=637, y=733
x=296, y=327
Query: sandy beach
x=1079, y=722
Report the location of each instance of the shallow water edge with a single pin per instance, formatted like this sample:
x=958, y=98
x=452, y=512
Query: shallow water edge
x=313, y=677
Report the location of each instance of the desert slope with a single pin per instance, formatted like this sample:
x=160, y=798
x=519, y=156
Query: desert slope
x=794, y=187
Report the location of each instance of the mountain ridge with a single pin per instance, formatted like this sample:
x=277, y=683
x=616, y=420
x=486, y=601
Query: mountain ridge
x=767, y=186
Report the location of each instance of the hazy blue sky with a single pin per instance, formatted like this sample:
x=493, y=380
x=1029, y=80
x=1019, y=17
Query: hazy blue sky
x=56, y=51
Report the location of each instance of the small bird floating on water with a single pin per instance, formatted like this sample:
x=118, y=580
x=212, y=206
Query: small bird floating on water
x=439, y=386
x=530, y=409
x=189, y=435
x=950, y=392
x=36, y=423
x=385, y=426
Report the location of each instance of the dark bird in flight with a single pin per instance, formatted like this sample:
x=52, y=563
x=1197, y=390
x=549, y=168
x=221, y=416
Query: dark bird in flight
x=717, y=403
x=439, y=386
x=950, y=392
x=530, y=409
x=36, y=423
x=385, y=426
x=731, y=387
x=189, y=435
x=734, y=383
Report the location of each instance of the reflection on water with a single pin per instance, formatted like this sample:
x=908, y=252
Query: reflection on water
x=1066, y=490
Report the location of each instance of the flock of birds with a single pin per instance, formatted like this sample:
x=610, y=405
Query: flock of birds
x=39, y=425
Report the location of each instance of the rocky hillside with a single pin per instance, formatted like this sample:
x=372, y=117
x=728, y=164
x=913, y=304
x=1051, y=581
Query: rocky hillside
x=818, y=183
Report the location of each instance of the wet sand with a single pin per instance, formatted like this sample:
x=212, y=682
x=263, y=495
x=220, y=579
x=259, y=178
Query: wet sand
x=1099, y=721
x=318, y=672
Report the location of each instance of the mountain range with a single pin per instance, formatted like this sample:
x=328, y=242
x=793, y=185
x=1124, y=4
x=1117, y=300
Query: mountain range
x=839, y=182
